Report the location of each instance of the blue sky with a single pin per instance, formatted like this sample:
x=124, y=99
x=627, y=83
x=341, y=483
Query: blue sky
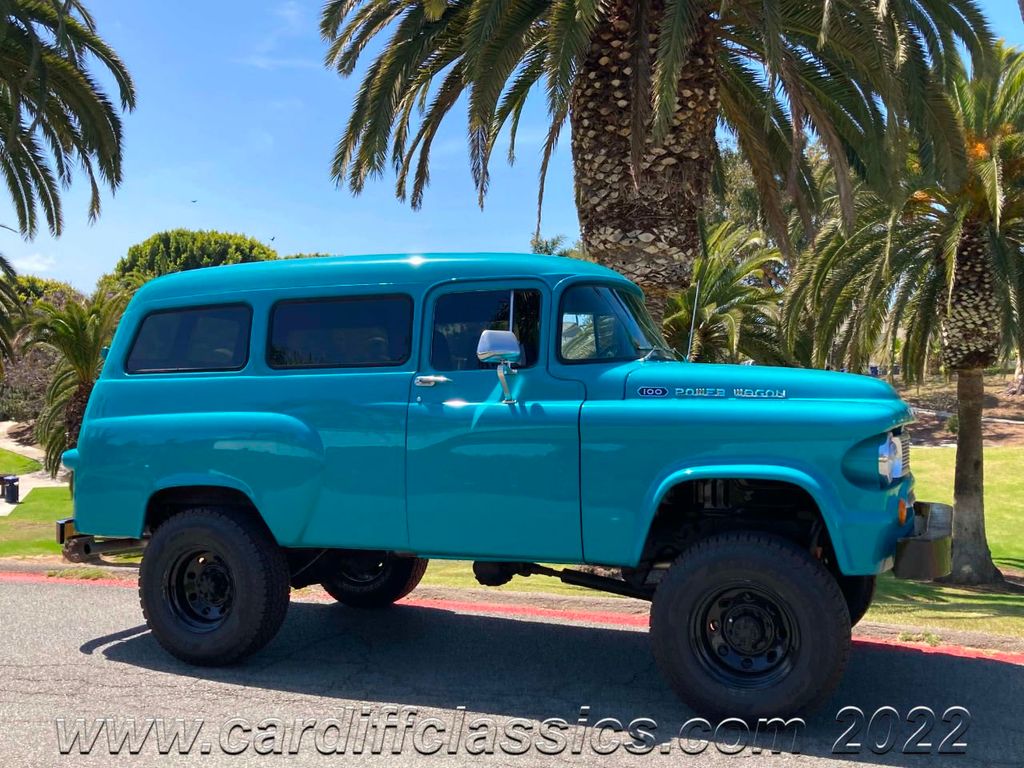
x=237, y=113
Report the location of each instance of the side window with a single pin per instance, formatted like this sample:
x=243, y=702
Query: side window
x=599, y=323
x=460, y=318
x=349, y=332
x=192, y=339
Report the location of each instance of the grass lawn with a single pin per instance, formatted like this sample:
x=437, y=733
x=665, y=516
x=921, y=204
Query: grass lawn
x=934, y=606
x=459, y=573
x=1004, y=495
x=30, y=531
x=13, y=464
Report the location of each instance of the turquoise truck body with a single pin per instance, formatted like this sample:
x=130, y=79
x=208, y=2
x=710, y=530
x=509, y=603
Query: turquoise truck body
x=573, y=471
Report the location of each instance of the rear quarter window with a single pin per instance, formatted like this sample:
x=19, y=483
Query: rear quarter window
x=212, y=338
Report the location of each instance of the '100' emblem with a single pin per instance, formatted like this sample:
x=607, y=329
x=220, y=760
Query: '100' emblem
x=652, y=392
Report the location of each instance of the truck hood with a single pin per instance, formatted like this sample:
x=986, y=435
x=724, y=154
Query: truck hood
x=675, y=380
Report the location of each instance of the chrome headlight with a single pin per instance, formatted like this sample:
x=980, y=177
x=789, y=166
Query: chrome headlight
x=890, y=458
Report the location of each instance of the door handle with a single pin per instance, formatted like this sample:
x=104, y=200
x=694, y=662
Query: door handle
x=429, y=381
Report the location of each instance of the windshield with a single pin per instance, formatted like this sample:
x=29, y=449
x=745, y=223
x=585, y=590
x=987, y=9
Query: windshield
x=602, y=324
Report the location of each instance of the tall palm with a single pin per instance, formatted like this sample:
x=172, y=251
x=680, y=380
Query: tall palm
x=1013, y=305
x=78, y=332
x=936, y=261
x=644, y=83
x=54, y=113
x=10, y=310
x=728, y=312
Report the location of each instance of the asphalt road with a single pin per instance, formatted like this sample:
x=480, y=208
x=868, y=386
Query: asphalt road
x=77, y=650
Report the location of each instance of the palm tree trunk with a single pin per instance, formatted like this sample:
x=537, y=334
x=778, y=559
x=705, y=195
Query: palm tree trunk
x=1017, y=385
x=972, y=560
x=970, y=343
x=646, y=227
x=971, y=330
x=74, y=412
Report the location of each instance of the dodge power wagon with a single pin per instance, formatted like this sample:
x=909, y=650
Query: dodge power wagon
x=342, y=421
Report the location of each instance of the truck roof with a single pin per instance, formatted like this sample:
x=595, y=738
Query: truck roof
x=380, y=269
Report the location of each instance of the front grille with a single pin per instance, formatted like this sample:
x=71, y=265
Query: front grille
x=905, y=442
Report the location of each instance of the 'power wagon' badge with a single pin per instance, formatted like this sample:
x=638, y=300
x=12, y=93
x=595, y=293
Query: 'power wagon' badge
x=713, y=392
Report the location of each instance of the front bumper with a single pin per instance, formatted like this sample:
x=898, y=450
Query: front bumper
x=927, y=554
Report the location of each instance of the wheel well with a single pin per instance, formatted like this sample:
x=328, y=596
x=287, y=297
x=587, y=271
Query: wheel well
x=698, y=508
x=165, y=503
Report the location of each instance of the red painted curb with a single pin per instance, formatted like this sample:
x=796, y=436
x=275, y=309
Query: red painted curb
x=612, y=618
x=23, y=577
x=959, y=651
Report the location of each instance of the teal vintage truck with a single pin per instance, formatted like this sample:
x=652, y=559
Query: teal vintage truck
x=343, y=420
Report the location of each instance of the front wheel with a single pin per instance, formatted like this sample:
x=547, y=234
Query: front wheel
x=213, y=586
x=859, y=591
x=749, y=625
x=374, y=579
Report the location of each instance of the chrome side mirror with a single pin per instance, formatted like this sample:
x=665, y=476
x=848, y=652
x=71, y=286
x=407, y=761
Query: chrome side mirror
x=501, y=347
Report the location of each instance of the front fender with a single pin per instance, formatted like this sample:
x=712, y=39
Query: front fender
x=276, y=460
x=823, y=495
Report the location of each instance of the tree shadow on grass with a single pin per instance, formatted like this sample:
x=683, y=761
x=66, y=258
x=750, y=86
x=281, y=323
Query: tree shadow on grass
x=1003, y=601
x=505, y=668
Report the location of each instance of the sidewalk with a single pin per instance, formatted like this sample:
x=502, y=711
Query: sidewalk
x=27, y=482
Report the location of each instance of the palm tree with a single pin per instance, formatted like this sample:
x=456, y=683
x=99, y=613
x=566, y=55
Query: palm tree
x=937, y=261
x=1013, y=305
x=54, y=114
x=644, y=83
x=10, y=310
x=78, y=332
x=729, y=311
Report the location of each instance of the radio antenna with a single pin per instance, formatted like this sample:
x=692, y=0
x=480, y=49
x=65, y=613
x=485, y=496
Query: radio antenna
x=693, y=324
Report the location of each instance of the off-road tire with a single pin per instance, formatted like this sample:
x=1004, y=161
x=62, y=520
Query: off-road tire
x=859, y=591
x=399, y=577
x=259, y=587
x=817, y=619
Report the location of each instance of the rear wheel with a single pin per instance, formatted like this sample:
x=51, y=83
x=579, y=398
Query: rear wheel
x=213, y=586
x=750, y=625
x=374, y=579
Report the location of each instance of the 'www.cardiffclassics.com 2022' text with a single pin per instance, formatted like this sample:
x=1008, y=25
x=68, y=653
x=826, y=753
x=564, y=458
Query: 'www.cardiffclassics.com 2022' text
x=391, y=729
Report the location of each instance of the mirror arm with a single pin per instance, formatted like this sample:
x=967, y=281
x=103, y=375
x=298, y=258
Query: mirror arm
x=505, y=370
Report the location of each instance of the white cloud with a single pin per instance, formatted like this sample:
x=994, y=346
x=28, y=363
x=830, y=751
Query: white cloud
x=287, y=105
x=292, y=24
x=291, y=13
x=34, y=263
x=264, y=61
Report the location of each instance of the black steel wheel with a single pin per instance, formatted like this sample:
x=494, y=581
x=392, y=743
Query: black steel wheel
x=745, y=636
x=374, y=579
x=200, y=590
x=213, y=585
x=749, y=624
